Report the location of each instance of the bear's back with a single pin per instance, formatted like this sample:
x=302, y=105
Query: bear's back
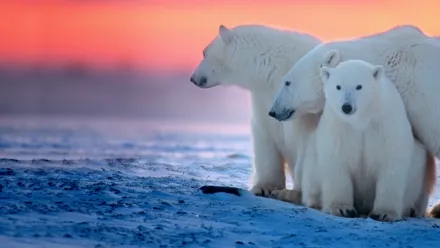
x=398, y=32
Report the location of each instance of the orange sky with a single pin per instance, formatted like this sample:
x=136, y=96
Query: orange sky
x=170, y=35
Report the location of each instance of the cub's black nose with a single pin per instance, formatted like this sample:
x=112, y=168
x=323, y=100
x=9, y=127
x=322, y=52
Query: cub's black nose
x=347, y=108
x=272, y=114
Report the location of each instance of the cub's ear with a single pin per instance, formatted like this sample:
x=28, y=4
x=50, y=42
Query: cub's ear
x=324, y=72
x=226, y=34
x=332, y=58
x=378, y=72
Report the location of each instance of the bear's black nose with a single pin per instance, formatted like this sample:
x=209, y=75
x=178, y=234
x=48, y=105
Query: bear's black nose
x=203, y=81
x=272, y=114
x=192, y=80
x=347, y=108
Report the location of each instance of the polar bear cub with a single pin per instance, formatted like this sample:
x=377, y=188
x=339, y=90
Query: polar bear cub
x=367, y=157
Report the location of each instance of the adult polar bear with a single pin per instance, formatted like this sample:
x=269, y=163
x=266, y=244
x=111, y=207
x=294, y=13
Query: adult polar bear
x=411, y=61
x=256, y=57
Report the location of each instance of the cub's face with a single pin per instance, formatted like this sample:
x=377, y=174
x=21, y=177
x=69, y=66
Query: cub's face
x=351, y=88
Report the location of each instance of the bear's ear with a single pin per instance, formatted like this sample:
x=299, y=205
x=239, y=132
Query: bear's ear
x=226, y=34
x=324, y=72
x=378, y=71
x=332, y=58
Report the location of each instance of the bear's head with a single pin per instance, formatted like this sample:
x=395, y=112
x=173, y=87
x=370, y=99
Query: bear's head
x=249, y=56
x=302, y=92
x=215, y=68
x=351, y=88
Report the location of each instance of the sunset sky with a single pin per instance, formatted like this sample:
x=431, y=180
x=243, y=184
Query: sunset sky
x=167, y=35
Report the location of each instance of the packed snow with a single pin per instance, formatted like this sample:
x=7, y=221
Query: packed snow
x=108, y=183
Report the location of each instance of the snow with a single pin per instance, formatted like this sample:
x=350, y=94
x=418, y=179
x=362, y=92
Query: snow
x=135, y=184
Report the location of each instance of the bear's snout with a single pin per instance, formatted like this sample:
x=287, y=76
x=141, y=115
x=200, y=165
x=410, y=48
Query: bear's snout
x=284, y=115
x=200, y=81
x=347, y=108
x=272, y=114
x=192, y=80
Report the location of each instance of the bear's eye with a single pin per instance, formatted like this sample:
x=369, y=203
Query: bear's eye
x=359, y=87
x=338, y=87
x=287, y=83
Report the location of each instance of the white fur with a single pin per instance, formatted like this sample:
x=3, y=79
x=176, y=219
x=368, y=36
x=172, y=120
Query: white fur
x=255, y=58
x=417, y=190
x=364, y=158
x=411, y=61
x=303, y=131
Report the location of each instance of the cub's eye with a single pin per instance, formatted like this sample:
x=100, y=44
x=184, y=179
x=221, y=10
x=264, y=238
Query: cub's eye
x=338, y=87
x=359, y=87
x=287, y=83
x=204, y=54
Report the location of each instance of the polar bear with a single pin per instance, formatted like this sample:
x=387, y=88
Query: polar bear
x=351, y=166
x=256, y=57
x=365, y=146
x=308, y=189
x=411, y=61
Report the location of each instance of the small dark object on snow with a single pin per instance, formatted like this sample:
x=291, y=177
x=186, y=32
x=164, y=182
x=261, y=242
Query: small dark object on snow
x=210, y=189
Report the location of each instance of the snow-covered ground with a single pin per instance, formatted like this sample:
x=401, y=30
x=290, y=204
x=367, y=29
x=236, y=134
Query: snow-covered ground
x=108, y=184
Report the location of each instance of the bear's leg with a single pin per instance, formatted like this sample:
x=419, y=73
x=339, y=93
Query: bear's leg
x=425, y=123
x=429, y=183
x=305, y=189
x=337, y=189
x=311, y=183
x=421, y=206
x=299, y=170
x=422, y=181
x=311, y=194
x=268, y=167
x=390, y=191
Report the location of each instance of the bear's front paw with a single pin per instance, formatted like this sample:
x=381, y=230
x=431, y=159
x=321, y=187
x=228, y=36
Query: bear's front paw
x=343, y=211
x=287, y=195
x=264, y=190
x=385, y=216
